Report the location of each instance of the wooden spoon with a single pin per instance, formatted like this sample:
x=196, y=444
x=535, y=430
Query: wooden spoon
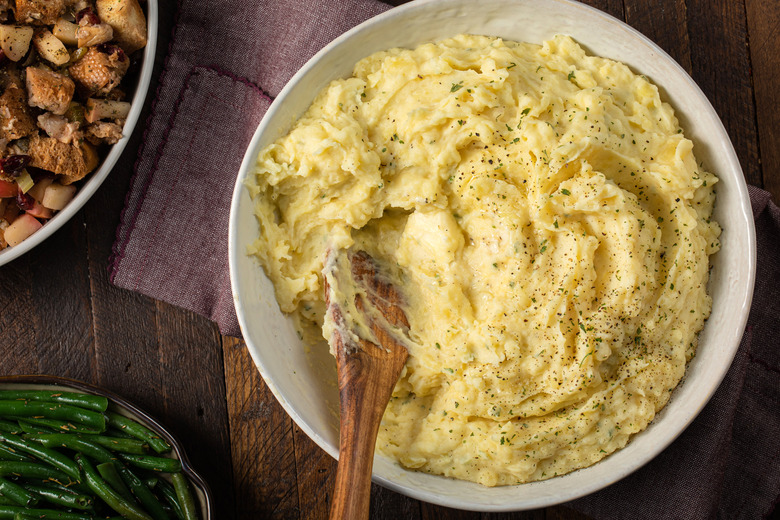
x=367, y=373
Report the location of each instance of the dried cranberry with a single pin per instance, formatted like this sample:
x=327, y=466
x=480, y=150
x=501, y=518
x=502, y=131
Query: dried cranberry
x=107, y=48
x=88, y=15
x=13, y=165
x=25, y=201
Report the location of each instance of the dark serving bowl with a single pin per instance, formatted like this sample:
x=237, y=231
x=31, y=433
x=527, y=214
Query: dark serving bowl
x=124, y=407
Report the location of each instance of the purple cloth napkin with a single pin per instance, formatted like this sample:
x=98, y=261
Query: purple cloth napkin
x=223, y=69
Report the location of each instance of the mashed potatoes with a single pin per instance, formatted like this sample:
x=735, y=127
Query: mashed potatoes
x=547, y=222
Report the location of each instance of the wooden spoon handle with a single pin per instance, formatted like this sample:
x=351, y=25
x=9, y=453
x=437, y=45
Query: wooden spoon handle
x=365, y=386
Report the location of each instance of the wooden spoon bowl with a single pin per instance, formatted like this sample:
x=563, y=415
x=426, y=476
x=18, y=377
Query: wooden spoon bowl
x=367, y=372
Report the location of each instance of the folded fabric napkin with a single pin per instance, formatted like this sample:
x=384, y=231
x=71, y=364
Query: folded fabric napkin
x=223, y=69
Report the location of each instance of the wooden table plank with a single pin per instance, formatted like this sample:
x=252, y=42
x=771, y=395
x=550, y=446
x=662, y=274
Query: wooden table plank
x=665, y=24
x=721, y=67
x=263, y=454
x=47, y=314
x=764, y=28
x=189, y=345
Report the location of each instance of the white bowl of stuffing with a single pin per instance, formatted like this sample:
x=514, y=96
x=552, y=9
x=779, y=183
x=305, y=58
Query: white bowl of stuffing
x=562, y=213
x=74, y=77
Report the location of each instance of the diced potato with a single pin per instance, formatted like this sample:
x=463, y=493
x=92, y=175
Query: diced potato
x=65, y=31
x=38, y=190
x=128, y=21
x=98, y=109
x=56, y=196
x=51, y=48
x=15, y=40
x=21, y=228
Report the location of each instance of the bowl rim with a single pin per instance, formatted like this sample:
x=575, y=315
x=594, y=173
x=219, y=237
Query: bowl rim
x=121, y=403
x=519, y=504
x=96, y=178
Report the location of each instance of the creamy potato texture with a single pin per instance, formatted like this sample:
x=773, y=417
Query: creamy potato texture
x=547, y=222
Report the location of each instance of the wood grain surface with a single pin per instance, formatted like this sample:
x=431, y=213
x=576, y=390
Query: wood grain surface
x=60, y=315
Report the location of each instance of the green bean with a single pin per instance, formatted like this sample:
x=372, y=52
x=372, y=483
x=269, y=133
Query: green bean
x=28, y=427
x=138, y=431
x=10, y=512
x=56, y=425
x=54, y=411
x=61, y=498
x=65, y=440
x=132, y=446
x=143, y=493
x=184, y=494
x=163, y=464
x=9, y=427
x=117, y=444
x=116, y=432
x=17, y=493
x=33, y=470
x=8, y=453
x=109, y=473
x=150, y=481
x=73, y=488
x=169, y=494
x=55, y=458
x=109, y=496
x=91, y=402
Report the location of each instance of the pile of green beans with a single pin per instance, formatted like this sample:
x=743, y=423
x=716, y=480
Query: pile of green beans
x=66, y=456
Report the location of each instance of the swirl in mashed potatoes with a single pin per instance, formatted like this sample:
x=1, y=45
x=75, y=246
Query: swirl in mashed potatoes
x=547, y=222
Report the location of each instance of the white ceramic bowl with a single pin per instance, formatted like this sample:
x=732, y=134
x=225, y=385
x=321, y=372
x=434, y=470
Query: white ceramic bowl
x=96, y=178
x=305, y=383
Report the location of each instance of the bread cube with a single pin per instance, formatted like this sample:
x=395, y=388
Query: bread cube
x=49, y=90
x=15, y=119
x=128, y=21
x=101, y=69
x=39, y=12
x=72, y=161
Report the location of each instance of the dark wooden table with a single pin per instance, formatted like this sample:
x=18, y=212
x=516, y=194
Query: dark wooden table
x=60, y=315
